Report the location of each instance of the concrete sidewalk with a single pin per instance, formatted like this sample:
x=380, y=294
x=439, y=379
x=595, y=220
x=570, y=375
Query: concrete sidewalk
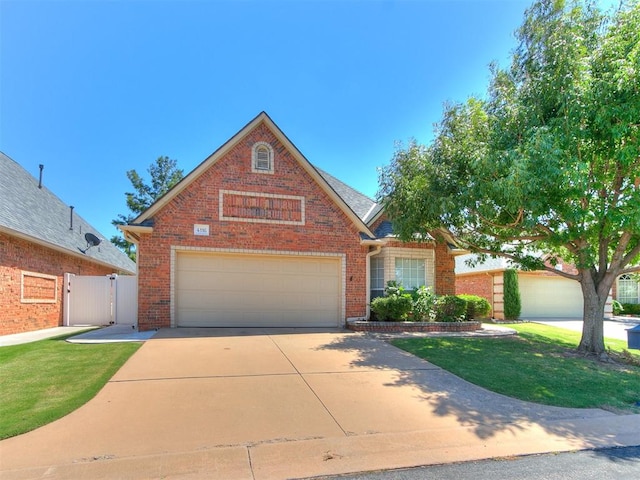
x=113, y=333
x=615, y=327
x=218, y=403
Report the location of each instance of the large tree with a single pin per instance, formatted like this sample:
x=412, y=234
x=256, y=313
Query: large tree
x=163, y=174
x=548, y=162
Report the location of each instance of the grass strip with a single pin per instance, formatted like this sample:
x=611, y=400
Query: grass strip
x=45, y=380
x=539, y=365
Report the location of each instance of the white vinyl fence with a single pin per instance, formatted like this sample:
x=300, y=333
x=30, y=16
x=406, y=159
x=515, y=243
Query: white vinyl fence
x=106, y=300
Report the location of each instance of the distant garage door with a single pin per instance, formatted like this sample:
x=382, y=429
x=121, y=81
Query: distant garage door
x=228, y=290
x=548, y=297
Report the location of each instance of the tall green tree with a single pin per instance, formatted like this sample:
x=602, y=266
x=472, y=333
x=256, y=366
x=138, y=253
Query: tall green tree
x=548, y=162
x=164, y=174
x=511, y=289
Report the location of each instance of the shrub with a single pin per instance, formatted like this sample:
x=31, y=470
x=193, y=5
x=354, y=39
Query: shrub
x=631, y=308
x=394, y=306
x=512, y=305
x=449, y=308
x=423, y=300
x=477, y=307
x=617, y=307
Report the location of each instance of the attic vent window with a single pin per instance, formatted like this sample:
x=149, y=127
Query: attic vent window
x=262, y=158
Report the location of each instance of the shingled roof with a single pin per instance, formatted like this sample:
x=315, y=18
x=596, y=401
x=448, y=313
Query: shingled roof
x=38, y=215
x=363, y=206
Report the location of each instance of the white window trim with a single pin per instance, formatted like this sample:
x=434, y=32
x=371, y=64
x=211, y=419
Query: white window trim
x=421, y=281
x=377, y=258
x=391, y=253
x=254, y=158
x=38, y=300
x=629, y=279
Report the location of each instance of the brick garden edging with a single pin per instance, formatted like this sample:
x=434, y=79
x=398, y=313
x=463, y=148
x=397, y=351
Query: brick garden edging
x=398, y=327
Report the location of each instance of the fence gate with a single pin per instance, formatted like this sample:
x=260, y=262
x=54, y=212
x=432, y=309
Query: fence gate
x=105, y=300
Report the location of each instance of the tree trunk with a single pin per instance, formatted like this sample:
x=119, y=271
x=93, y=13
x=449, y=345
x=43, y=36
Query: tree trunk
x=595, y=298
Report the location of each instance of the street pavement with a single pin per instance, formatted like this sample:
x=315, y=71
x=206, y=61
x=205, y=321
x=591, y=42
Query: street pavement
x=606, y=464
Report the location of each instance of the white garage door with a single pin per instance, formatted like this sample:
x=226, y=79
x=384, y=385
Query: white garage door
x=228, y=290
x=550, y=297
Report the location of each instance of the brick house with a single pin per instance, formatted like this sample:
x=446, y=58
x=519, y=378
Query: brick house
x=257, y=236
x=543, y=294
x=40, y=241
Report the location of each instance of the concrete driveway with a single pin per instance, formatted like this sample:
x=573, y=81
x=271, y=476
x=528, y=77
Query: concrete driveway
x=233, y=404
x=612, y=328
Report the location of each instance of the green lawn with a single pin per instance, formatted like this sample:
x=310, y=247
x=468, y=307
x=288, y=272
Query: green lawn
x=540, y=365
x=45, y=380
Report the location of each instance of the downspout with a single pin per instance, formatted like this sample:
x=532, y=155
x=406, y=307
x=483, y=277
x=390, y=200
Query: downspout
x=368, y=274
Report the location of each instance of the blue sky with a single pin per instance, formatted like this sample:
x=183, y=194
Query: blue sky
x=92, y=89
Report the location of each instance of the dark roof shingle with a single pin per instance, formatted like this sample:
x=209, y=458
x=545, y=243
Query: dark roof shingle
x=38, y=214
x=361, y=205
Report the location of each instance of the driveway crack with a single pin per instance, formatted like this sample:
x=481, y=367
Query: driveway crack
x=309, y=387
x=253, y=475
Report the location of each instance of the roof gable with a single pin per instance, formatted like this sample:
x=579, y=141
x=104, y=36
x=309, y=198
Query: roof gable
x=38, y=215
x=351, y=202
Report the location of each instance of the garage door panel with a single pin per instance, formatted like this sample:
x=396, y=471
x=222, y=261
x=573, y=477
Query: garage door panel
x=254, y=290
x=548, y=297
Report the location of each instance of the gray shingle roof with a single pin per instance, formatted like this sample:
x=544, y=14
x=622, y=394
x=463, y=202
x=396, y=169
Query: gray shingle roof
x=361, y=205
x=38, y=214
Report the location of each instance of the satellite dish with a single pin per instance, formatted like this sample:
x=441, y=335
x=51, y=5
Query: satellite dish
x=92, y=241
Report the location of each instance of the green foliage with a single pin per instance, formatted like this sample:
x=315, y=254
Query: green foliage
x=164, y=174
x=422, y=305
x=548, y=161
x=617, y=307
x=477, y=307
x=631, y=309
x=512, y=304
x=450, y=308
x=423, y=301
x=394, y=306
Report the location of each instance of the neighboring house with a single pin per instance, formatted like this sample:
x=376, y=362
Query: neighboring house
x=257, y=236
x=543, y=294
x=627, y=289
x=41, y=240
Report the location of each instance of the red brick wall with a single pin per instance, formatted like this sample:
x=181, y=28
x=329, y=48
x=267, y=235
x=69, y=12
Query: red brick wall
x=17, y=255
x=480, y=284
x=445, y=270
x=326, y=228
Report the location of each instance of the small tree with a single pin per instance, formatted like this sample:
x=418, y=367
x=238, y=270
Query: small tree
x=164, y=175
x=512, y=305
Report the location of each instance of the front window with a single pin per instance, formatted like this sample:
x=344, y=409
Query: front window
x=377, y=277
x=410, y=272
x=627, y=289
